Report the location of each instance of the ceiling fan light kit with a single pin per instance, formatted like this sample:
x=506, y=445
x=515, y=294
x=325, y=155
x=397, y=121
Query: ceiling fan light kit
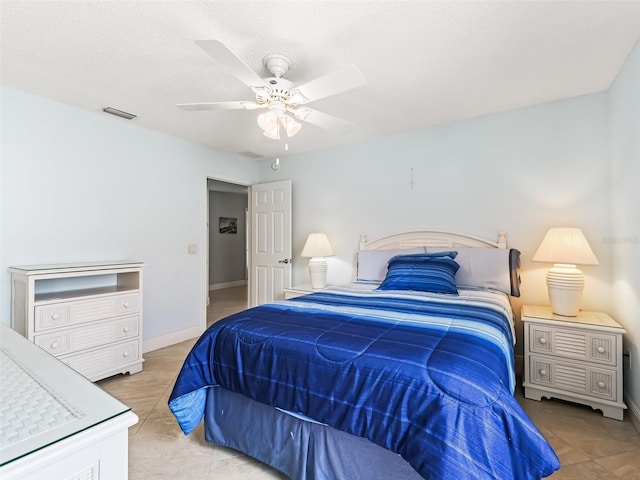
x=272, y=123
x=278, y=95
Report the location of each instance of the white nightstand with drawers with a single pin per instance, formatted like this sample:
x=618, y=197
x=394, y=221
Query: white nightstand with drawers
x=299, y=290
x=578, y=359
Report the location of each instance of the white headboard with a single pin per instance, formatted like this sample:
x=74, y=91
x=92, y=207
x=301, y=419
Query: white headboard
x=430, y=238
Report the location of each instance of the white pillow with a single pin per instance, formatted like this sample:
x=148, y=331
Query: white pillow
x=372, y=264
x=488, y=268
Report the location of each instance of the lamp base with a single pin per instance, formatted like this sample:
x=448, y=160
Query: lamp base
x=318, y=272
x=565, y=284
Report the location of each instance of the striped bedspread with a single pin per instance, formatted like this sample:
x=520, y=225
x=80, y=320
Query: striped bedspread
x=427, y=376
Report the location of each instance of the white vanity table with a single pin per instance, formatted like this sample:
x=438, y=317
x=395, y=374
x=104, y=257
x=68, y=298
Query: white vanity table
x=54, y=423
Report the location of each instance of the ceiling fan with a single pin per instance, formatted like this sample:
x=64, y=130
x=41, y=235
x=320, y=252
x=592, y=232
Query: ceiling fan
x=279, y=96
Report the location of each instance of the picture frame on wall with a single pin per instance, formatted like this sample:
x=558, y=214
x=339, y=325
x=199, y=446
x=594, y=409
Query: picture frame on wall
x=228, y=225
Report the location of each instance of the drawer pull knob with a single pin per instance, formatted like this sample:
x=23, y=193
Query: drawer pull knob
x=55, y=316
x=54, y=345
x=125, y=354
x=601, y=349
x=601, y=384
x=542, y=340
x=125, y=304
x=542, y=372
x=125, y=329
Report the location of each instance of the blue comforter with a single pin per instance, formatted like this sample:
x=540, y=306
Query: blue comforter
x=427, y=376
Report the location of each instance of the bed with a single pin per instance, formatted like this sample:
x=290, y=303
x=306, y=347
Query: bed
x=406, y=373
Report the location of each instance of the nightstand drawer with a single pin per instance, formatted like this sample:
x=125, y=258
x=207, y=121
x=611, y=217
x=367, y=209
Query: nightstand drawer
x=540, y=371
x=602, y=349
x=573, y=377
x=574, y=343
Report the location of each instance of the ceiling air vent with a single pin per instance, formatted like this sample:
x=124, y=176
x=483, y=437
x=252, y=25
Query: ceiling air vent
x=119, y=113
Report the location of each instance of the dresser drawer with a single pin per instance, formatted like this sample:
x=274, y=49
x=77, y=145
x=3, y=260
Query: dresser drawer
x=93, y=364
x=573, y=377
x=52, y=316
x=83, y=311
x=574, y=343
x=88, y=336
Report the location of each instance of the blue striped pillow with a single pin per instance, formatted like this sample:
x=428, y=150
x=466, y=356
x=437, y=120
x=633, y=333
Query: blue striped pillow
x=425, y=272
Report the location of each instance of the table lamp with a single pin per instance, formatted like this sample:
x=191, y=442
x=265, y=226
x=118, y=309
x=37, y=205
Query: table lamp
x=565, y=248
x=317, y=247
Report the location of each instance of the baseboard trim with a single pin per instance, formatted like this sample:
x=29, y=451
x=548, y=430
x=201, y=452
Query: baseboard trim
x=633, y=411
x=220, y=286
x=171, y=339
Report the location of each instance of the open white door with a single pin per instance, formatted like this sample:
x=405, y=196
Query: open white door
x=270, y=247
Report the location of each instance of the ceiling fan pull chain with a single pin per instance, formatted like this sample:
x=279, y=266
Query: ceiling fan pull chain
x=275, y=165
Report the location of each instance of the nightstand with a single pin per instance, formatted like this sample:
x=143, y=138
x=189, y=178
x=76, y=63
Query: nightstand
x=578, y=359
x=298, y=290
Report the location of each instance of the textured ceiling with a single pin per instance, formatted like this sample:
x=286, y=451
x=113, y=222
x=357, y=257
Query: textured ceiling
x=426, y=62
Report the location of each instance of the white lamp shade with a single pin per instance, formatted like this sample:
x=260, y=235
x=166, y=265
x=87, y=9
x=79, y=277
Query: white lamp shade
x=565, y=248
x=565, y=245
x=317, y=245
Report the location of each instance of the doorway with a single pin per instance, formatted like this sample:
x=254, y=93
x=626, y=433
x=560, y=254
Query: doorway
x=227, y=235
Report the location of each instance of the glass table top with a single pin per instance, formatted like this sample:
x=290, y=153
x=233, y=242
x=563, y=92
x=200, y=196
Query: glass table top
x=42, y=400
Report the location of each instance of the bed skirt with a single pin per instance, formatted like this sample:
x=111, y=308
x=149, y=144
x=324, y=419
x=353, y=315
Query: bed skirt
x=301, y=449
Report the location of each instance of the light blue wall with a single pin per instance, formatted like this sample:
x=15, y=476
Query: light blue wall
x=624, y=236
x=521, y=171
x=84, y=186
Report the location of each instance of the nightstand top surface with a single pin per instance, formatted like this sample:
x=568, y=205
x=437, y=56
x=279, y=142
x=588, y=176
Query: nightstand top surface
x=545, y=314
x=306, y=287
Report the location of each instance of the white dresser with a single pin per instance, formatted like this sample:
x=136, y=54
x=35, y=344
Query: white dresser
x=54, y=423
x=87, y=315
x=578, y=359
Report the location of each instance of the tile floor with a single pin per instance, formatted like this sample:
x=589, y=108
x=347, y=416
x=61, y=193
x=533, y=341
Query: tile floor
x=589, y=446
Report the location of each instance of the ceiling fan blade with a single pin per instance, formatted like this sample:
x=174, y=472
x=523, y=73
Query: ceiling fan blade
x=231, y=62
x=220, y=106
x=338, y=81
x=323, y=120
